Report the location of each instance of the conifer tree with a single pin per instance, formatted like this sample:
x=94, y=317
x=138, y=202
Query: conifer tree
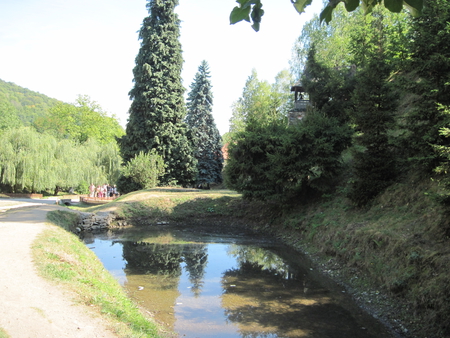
x=207, y=139
x=158, y=108
x=374, y=103
x=430, y=65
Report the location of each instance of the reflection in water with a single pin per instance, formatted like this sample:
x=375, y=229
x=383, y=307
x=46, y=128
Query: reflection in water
x=208, y=289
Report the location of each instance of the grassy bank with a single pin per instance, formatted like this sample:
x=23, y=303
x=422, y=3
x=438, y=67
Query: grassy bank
x=393, y=256
x=61, y=257
x=3, y=334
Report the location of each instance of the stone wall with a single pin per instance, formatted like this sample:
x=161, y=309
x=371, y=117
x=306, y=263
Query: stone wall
x=90, y=222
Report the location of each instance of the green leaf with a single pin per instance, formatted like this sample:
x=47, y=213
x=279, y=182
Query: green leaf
x=351, y=5
x=395, y=6
x=326, y=14
x=300, y=5
x=239, y=14
x=255, y=26
x=368, y=5
x=414, y=6
x=256, y=15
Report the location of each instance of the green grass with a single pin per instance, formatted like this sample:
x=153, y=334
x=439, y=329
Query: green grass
x=3, y=333
x=61, y=257
x=65, y=219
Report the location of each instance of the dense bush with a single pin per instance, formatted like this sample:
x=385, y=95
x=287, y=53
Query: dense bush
x=283, y=162
x=141, y=172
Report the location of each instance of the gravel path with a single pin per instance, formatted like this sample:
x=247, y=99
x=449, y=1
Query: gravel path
x=29, y=305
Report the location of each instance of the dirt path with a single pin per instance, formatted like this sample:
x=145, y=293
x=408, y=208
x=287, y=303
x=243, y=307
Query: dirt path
x=31, y=307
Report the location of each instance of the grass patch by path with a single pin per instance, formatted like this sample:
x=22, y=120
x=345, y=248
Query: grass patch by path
x=3, y=333
x=61, y=257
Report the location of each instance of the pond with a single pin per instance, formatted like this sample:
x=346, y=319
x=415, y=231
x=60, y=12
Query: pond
x=199, y=283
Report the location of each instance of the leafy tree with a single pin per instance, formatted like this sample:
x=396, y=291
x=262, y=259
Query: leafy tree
x=281, y=94
x=254, y=102
x=59, y=122
x=80, y=121
x=207, y=140
x=367, y=29
x=158, y=109
x=95, y=122
x=331, y=42
x=262, y=102
x=251, y=10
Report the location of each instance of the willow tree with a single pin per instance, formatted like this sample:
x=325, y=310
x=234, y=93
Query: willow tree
x=26, y=160
x=31, y=161
x=158, y=108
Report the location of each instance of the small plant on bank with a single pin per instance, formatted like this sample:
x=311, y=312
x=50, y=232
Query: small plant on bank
x=141, y=172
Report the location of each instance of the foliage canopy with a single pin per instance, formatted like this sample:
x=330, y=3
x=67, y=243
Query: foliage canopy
x=252, y=11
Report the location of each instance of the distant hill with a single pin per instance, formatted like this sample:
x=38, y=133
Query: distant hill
x=27, y=104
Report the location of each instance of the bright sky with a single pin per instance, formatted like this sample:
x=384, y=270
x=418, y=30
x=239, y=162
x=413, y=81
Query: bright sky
x=64, y=48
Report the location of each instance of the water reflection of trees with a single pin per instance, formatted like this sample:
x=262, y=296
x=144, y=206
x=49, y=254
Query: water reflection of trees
x=267, y=297
x=196, y=261
x=167, y=260
x=266, y=259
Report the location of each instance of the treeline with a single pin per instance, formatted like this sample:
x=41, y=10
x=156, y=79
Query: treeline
x=379, y=88
x=161, y=126
x=56, y=147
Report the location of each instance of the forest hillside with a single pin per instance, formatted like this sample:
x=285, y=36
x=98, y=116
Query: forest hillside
x=26, y=104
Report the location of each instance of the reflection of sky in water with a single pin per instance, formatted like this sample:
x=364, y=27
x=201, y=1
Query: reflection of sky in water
x=110, y=254
x=204, y=315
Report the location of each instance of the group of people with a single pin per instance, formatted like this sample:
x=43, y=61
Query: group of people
x=104, y=190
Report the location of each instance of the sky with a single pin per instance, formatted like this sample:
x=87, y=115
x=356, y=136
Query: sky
x=63, y=48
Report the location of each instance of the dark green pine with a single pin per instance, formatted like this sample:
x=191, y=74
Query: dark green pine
x=207, y=139
x=374, y=101
x=158, y=109
x=430, y=66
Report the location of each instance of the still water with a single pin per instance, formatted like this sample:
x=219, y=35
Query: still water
x=202, y=284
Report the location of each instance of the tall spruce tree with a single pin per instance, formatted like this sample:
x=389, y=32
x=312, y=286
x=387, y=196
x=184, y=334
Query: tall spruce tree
x=430, y=66
x=374, y=103
x=158, y=108
x=207, y=139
